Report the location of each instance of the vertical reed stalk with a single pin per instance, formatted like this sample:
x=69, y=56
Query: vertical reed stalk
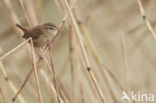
x=71, y=56
x=36, y=71
x=125, y=64
x=54, y=75
x=146, y=21
x=85, y=57
x=3, y=96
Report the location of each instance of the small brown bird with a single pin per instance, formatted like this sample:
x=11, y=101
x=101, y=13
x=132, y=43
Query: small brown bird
x=41, y=34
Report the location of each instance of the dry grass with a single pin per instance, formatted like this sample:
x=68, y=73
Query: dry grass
x=101, y=49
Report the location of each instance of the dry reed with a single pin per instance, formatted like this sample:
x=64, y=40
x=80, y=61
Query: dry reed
x=84, y=65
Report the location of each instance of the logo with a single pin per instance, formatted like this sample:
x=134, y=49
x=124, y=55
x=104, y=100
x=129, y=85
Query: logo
x=138, y=97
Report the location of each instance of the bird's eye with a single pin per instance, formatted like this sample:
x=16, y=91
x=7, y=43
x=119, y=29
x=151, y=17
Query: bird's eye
x=49, y=27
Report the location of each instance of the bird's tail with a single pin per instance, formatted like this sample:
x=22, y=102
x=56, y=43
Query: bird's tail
x=22, y=28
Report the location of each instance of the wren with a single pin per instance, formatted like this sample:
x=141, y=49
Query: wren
x=41, y=34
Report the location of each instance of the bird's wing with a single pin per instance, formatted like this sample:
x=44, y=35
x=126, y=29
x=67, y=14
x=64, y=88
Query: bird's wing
x=34, y=33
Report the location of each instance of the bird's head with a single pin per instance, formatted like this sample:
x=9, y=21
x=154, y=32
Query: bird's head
x=50, y=27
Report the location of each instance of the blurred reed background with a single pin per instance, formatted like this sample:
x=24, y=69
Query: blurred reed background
x=113, y=34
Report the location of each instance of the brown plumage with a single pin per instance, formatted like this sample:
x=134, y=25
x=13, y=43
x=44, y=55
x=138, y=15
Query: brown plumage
x=41, y=34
